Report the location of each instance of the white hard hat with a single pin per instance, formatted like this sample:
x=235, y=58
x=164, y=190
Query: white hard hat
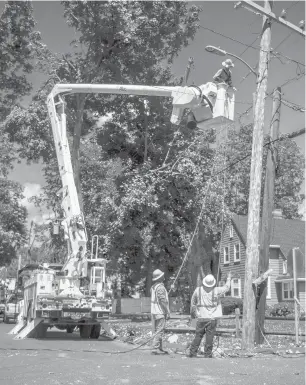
x=157, y=274
x=209, y=280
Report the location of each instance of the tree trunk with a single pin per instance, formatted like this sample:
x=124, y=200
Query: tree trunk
x=80, y=99
x=202, y=258
x=149, y=276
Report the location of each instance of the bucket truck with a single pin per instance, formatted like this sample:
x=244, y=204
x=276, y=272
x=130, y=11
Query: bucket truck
x=53, y=298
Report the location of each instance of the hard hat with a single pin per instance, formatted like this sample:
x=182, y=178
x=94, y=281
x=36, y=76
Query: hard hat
x=209, y=281
x=157, y=274
x=228, y=63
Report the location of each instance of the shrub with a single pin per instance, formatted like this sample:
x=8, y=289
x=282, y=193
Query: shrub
x=229, y=304
x=282, y=309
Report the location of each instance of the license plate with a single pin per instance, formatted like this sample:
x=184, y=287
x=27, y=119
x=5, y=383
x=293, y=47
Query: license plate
x=76, y=315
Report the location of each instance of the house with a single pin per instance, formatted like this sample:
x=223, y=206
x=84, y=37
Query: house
x=286, y=235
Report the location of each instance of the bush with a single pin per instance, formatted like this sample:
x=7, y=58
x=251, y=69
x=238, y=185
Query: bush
x=229, y=304
x=282, y=309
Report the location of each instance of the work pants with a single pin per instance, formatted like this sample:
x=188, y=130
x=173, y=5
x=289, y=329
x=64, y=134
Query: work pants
x=202, y=327
x=158, y=324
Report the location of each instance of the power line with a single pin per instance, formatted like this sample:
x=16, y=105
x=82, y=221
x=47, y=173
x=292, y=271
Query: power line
x=282, y=137
x=248, y=46
x=293, y=106
x=230, y=38
x=292, y=5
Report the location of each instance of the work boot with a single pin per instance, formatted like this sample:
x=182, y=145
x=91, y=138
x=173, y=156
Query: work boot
x=191, y=355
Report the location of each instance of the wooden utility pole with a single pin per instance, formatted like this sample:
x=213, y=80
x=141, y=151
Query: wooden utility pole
x=295, y=295
x=252, y=252
x=250, y=5
x=267, y=210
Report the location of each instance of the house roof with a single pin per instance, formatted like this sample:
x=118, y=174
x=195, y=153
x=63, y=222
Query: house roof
x=287, y=233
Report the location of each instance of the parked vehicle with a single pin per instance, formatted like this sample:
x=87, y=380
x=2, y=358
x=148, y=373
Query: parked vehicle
x=12, y=308
x=2, y=310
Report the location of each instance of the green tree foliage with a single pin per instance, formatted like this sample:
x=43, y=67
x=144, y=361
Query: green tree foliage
x=289, y=173
x=12, y=213
x=19, y=46
x=48, y=247
x=12, y=220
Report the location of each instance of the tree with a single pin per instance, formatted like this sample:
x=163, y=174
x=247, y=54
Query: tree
x=19, y=46
x=12, y=220
x=289, y=175
x=112, y=36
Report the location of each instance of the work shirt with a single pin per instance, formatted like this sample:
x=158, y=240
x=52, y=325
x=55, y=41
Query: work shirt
x=159, y=301
x=224, y=75
x=207, y=305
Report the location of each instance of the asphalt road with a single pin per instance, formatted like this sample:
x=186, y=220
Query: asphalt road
x=65, y=359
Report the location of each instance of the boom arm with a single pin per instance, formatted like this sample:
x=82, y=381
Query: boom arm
x=182, y=97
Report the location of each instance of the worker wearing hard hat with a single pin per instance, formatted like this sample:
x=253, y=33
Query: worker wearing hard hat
x=224, y=75
x=206, y=306
x=160, y=311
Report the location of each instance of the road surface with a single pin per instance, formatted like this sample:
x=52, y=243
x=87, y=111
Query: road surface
x=64, y=359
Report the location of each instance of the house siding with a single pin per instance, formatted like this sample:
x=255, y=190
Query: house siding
x=237, y=268
x=276, y=258
x=301, y=293
x=276, y=264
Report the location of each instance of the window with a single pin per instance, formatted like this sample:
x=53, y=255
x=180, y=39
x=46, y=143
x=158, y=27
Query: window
x=287, y=289
x=231, y=231
x=226, y=254
x=284, y=266
x=236, y=287
x=269, y=288
x=237, y=252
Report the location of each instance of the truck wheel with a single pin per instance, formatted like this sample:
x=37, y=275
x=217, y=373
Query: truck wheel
x=6, y=320
x=85, y=331
x=95, y=331
x=70, y=329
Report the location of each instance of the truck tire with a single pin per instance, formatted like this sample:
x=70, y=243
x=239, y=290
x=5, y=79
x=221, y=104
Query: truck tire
x=95, y=331
x=85, y=331
x=70, y=329
x=6, y=320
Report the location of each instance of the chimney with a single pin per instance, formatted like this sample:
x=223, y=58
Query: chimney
x=277, y=214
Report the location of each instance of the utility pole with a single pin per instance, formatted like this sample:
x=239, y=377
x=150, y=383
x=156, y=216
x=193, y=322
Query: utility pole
x=252, y=252
x=267, y=210
x=255, y=8
x=295, y=294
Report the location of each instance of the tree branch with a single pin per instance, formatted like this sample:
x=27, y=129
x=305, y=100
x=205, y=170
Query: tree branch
x=293, y=134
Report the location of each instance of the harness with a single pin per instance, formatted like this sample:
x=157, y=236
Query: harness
x=154, y=300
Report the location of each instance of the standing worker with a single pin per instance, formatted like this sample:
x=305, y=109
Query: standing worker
x=159, y=310
x=224, y=75
x=206, y=306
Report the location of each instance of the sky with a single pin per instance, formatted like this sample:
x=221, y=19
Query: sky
x=232, y=30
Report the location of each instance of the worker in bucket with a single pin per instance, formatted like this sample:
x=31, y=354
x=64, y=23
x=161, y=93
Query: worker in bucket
x=224, y=75
x=206, y=307
x=160, y=311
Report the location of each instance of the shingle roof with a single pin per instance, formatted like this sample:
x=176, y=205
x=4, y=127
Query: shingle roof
x=287, y=233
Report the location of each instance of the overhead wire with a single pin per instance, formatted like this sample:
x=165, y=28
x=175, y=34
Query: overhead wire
x=293, y=106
